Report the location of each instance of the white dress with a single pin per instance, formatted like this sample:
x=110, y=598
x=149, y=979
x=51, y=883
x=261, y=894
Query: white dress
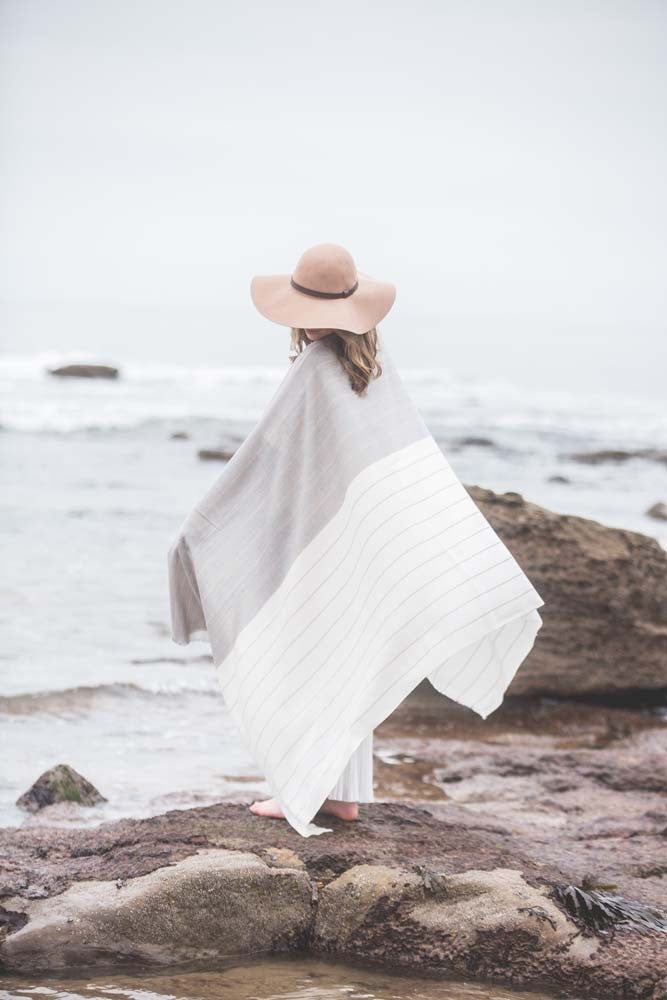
x=356, y=781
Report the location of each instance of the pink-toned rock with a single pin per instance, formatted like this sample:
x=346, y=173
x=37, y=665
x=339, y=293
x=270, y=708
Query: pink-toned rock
x=605, y=593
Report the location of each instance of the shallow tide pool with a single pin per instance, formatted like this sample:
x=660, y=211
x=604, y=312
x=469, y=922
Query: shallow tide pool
x=266, y=979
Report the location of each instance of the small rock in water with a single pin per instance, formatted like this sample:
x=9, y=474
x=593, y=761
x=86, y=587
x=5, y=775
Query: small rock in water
x=558, y=479
x=476, y=442
x=85, y=371
x=179, y=436
x=658, y=511
x=59, y=784
x=214, y=454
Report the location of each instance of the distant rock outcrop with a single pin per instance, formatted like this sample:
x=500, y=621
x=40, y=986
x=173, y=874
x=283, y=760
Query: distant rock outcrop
x=85, y=371
x=474, y=442
x=558, y=478
x=215, y=454
x=658, y=511
x=617, y=455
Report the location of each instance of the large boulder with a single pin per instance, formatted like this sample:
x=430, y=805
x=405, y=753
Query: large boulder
x=434, y=919
x=398, y=887
x=210, y=905
x=605, y=594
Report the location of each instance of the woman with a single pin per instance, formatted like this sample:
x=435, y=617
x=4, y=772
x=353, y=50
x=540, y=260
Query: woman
x=358, y=356
x=338, y=560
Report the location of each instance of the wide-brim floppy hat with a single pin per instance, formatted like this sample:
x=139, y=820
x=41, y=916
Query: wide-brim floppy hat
x=325, y=291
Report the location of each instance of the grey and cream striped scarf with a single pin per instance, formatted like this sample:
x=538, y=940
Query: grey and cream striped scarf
x=335, y=562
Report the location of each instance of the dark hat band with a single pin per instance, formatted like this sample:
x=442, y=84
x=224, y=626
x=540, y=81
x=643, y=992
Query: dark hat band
x=325, y=295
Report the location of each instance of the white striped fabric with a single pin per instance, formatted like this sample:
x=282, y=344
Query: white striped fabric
x=392, y=575
x=356, y=781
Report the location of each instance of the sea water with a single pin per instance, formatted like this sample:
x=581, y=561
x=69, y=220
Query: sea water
x=264, y=979
x=95, y=487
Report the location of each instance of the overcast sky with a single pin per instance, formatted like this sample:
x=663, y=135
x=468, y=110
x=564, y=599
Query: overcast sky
x=503, y=163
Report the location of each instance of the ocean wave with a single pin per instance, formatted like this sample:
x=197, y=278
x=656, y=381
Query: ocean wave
x=178, y=396
x=81, y=699
x=33, y=400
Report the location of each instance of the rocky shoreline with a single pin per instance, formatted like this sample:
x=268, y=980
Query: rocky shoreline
x=484, y=836
x=542, y=795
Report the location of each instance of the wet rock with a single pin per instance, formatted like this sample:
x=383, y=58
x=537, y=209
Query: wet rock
x=179, y=436
x=351, y=900
x=85, y=371
x=210, y=905
x=605, y=593
x=59, y=784
x=496, y=901
x=215, y=454
x=617, y=455
x=557, y=478
x=658, y=511
x=398, y=886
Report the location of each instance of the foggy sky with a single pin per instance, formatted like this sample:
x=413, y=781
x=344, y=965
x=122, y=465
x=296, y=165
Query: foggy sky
x=502, y=163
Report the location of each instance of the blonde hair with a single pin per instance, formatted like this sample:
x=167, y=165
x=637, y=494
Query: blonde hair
x=357, y=354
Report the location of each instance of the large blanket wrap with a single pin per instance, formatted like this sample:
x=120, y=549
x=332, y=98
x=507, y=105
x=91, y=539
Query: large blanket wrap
x=336, y=562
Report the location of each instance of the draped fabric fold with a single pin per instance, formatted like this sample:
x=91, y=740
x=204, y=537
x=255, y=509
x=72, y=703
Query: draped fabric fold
x=336, y=562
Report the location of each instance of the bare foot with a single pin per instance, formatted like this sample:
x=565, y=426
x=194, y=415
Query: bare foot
x=268, y=807
x=343, y=810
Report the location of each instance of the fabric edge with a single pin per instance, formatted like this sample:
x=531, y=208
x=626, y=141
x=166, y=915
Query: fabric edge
x=522, y=652
x=378, y=714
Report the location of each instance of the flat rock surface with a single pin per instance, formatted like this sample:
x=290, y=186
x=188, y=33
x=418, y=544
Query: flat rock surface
x=466, y=892
x=581, y=787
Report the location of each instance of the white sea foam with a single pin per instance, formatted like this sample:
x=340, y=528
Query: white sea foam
x=33, y=400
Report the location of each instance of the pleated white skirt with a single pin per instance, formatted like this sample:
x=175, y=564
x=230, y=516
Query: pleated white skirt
x=356, y=781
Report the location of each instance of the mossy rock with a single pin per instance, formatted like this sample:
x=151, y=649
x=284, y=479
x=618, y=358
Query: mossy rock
x=60, y=784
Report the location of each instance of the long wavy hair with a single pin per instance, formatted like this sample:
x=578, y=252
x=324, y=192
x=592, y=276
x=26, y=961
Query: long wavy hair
x=357, y=354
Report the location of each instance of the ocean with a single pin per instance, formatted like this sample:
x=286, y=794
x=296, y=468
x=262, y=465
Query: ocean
x=95, y=488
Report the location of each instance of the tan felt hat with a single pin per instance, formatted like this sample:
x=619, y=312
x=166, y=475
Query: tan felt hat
x=325, y=291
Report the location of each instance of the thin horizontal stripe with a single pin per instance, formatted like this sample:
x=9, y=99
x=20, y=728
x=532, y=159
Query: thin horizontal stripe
x=403, y=651
x=391, y=614
x=316, y=617
x=498, y=680
x=249, y=671
x=389, y=496
x=323, y=665
x=388, y=475
x=283, y=787
x=437, y=534
x=492, y=654
x=241, y=561
x=438, y=576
